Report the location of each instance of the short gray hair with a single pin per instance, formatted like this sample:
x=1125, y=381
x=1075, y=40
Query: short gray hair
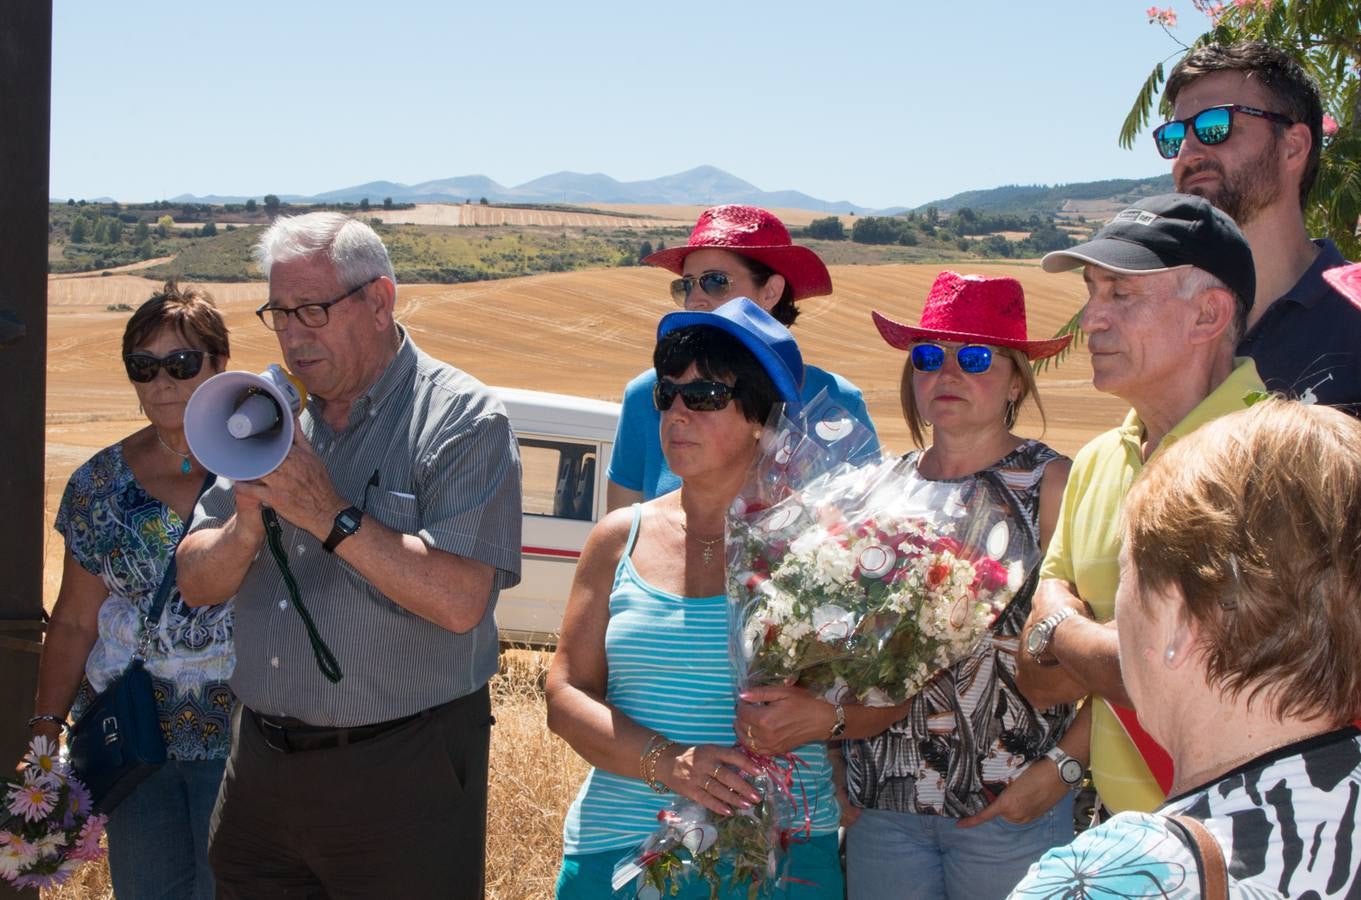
x=355, y=251
x=1192, y=281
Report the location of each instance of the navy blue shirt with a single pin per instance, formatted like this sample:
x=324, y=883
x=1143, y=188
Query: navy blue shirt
x=1308, y=342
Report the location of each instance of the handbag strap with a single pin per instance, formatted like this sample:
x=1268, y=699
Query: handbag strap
x=1214, y=874
x=153, y=615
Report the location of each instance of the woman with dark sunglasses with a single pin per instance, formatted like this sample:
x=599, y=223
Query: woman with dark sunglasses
x=641, y=685
x=733, y=251
x=956, y=792
x=121, y=516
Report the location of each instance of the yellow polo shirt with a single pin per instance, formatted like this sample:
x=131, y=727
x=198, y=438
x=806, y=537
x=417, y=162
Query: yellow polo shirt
x=1084, y=551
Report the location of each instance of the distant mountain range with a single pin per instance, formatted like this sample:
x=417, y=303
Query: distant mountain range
x=705, y=185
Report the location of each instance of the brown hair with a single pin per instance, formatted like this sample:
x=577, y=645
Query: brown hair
x=188, y=310
x=784, y=311
x=917, y=425
x=1290, y=87
x=1256, y=518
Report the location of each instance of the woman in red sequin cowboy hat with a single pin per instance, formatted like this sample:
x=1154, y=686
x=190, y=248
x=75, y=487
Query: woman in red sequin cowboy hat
x=962, y=810
x=733, y=251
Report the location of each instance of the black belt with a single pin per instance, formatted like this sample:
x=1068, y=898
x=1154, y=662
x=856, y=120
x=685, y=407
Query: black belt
x=292, y=736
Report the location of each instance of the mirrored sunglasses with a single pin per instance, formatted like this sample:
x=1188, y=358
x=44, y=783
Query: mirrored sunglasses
x=972, y=358
x=180, y=365
x=698, y=396
x=714, y=284
x=1211, y=126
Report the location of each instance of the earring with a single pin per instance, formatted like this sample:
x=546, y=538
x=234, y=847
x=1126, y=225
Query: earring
x=1010, y=417
x=1171, y=655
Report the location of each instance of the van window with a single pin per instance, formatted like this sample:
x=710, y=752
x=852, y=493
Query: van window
x=559, y=478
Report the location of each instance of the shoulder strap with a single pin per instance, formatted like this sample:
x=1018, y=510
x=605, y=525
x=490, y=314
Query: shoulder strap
x=633, y=531
x=153, y=616
x=1214, y=874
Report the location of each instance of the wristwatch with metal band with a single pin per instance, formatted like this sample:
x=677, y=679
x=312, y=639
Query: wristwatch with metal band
x=347, y=523
x=1070, y=770
x=1042, y=635
x=840, y=727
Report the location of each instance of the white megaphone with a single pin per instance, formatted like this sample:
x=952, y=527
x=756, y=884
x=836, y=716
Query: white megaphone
x=240, y=425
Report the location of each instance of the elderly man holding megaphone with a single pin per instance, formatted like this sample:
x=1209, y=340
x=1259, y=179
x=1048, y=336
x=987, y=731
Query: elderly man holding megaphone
x=389, y=511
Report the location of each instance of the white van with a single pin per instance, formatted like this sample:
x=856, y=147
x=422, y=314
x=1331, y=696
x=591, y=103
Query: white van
x=565, y=445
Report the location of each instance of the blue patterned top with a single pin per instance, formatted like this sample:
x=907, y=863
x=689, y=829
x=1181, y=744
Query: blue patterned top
x=1286, y=823
x=120, y=533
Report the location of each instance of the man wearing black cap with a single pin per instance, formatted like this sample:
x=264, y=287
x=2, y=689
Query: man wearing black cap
x=1170, y=282
x=1246, y=130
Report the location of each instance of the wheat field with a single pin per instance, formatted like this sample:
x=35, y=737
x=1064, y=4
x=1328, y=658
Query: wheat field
x=583, y=333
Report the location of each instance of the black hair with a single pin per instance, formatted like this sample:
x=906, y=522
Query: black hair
x=784, y=311
x=1280, y=75
x=717, y=354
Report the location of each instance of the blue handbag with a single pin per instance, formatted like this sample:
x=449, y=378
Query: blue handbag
x=117, y=743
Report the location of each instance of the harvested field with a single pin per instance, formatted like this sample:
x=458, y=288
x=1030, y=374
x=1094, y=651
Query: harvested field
x=477, y=214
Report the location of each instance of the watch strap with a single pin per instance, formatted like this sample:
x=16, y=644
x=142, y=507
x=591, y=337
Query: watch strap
x=838, y=727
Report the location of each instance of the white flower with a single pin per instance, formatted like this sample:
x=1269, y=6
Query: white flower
x=15, y=854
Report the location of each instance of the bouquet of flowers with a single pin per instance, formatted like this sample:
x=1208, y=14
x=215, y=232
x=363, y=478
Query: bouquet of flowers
x=746, y=847
x=862, y=583
x=47, y=828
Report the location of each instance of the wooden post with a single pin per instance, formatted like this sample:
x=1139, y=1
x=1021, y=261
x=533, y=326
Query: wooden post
x=26, y=99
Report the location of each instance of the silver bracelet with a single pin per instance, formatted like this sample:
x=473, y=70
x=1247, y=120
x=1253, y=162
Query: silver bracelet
x=56, y=720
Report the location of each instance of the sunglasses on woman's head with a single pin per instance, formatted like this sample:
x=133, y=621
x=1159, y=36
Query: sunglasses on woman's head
x=1212, y=126
x=180, y=365
x=972, y=358
x=698, y=396
x=714, y=284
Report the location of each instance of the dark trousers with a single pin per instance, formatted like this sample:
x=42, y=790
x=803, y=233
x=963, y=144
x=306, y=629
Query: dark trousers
x=401, y=814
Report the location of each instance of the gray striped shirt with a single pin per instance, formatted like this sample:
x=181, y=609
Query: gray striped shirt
x=449, y=472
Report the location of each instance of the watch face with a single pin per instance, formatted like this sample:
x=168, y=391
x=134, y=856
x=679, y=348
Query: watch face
x=1070, y=770
x=1037, y=638
x=347, y=521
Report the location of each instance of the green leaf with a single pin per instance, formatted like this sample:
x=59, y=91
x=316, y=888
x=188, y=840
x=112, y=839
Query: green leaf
x=1142, y=109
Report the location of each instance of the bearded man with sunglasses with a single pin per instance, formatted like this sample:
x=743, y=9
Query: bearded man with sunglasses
x=391, y=526
x=733, y=251
x=1170, y=283
x=1246, y=133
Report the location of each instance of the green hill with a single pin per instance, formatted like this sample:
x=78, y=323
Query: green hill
x=1048, y=200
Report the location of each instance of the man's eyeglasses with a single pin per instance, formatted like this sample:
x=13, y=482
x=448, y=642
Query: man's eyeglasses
x=972, y=358
x=714, y=284
x=1212, y=126
x=313, y=315
x=699, y=396
x=180, y=365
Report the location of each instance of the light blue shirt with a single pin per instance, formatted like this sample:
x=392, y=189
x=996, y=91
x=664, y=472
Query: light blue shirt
x=637, y=463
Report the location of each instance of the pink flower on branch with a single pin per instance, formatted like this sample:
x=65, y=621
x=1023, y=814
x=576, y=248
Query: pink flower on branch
x=1329, y=125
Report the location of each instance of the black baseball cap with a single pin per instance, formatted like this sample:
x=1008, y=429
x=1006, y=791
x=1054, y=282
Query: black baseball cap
x=1166, y=232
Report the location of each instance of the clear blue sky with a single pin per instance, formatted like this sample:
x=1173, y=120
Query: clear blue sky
x=877, y=103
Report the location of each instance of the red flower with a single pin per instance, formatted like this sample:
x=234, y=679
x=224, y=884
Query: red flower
x=937, y=574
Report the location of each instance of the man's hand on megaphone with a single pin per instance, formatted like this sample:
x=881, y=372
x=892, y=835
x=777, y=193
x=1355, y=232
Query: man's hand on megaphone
x=299, y=490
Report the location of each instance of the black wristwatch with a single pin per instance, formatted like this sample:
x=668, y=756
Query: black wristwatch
x=347, y=523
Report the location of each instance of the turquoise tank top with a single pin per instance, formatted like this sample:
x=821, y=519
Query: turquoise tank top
x=669, y=671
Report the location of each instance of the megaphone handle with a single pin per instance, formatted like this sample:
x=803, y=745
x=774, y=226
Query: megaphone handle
x=326, y=660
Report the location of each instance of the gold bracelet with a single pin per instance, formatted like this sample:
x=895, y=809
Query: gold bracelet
x=647, y=765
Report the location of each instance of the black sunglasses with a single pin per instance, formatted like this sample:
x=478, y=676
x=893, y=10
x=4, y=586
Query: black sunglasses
x=698, y=396
x=313, y=315
x=972, y=358
x=715, y=284
x=180, y=365
x=1212, y=126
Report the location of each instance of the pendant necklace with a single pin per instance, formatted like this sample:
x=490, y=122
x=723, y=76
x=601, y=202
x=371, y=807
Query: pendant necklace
x=706, y=555
x=185, y=466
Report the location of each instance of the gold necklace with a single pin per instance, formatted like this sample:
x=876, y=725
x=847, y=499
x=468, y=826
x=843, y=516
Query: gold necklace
x=185, y=466
x=706, y=555
x=1194, y=779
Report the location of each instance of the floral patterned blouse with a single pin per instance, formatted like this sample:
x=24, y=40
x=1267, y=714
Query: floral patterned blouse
x=120, y=533
x=969, y=733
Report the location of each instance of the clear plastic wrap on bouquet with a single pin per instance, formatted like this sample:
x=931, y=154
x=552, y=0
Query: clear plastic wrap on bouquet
x=746, y=848
x=863, y=582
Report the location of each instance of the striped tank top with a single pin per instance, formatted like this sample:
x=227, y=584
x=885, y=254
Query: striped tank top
x=669, y=671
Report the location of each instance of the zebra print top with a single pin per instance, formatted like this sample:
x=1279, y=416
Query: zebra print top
x=969, y=733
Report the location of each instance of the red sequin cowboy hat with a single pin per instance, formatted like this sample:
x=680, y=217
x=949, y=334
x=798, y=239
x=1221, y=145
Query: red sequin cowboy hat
x=972, y=309
x=748, y=231
x=1346, y=280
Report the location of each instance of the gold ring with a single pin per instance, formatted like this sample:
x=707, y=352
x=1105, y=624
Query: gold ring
x=705, y=789
x=751, y=737
x=716, y=770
